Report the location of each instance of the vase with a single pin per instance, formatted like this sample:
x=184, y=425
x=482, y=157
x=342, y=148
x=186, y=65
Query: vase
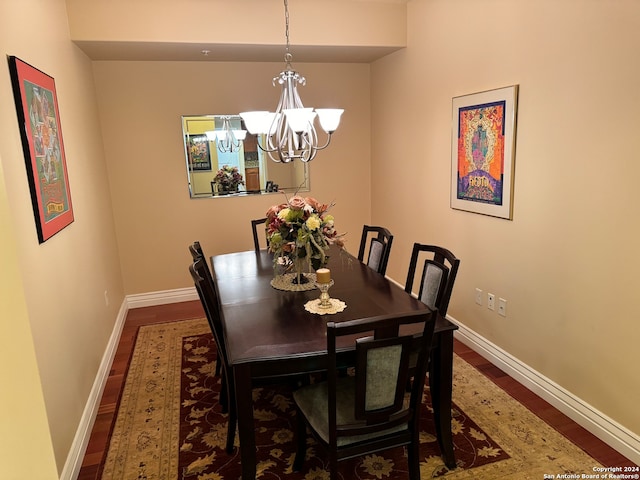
x=298, y=265
x=226, y=190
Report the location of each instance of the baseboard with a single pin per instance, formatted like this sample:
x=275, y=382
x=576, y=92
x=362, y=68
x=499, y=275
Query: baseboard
x=161, y=298
x=606, y=429
x=73, y=464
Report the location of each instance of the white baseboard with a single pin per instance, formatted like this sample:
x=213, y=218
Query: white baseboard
x=73, y=464
x=606, y=429
x=161, y=298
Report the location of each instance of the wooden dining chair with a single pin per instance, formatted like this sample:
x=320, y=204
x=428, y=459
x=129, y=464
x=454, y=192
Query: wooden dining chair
x=378, y=240
x=438, y=275
x=366, y=412
x=208, y=296
x=255, y=226
x=196, y=251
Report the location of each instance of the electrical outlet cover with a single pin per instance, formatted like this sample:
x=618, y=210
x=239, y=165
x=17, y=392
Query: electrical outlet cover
x=491, y=301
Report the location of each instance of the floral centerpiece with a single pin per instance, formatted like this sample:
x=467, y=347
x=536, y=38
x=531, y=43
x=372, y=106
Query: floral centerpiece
x=228, y=179
x=299, y=233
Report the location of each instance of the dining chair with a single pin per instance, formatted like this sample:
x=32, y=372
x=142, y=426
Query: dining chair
x=256, y=238
x=440, y=267
x=367, y=411
x=196, y=251
x=208, y=296
x=379, y=240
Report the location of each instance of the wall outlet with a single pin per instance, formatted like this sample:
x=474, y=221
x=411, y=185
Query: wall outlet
x=502, y=307
x=491, y=301
x=106, y=298
x=478, y=296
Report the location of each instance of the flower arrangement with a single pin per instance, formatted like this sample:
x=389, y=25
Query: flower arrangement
x=228, y=178
x=300, y=232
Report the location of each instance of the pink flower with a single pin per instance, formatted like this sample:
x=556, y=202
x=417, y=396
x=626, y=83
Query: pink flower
x=297, y=203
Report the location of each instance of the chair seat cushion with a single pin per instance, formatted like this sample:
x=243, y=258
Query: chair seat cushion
x=312, y=400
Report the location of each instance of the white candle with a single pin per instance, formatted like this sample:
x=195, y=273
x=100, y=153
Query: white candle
x=323, y=275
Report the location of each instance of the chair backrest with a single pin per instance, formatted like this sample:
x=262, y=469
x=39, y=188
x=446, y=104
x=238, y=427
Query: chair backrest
x=381, y=372
x=196, y=250
x=379, y=240
x=255, y=224
x=437, y=277
x=206, y=288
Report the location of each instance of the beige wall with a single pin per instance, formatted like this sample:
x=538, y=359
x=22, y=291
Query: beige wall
x=24, y=433
x=568, y=262
x=59, y=294
x=140, y=108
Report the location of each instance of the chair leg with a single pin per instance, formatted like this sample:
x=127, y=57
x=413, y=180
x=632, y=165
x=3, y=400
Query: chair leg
x=413, y=459
x=301, y=452
x=231, y=408
x=218, y=364
x=231, y=435
x=333, y=466
x=223, y=398
x=232, y=421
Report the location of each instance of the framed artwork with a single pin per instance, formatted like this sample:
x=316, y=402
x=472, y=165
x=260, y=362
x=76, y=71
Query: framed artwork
x=198, y=152
x=39, y=121
x=483, y=152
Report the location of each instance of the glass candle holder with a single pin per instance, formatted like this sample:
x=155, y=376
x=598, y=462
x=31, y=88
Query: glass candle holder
x=325, y=300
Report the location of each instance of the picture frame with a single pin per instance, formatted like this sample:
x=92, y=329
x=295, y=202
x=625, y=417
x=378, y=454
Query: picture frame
x=483, y=152
x=39, y=120
x=198, y=152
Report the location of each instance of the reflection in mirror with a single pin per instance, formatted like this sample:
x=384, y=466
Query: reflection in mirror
x=221, y=163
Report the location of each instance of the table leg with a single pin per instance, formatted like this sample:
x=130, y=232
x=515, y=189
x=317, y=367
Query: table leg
x=244, y=405
x=441, y=384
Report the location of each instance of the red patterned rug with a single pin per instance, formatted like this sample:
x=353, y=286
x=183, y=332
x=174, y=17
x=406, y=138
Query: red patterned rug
x=170, y=425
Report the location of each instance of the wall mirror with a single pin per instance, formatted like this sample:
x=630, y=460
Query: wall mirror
x=218, y=149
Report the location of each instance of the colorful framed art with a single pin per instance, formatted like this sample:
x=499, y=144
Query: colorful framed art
x=483, y=152
x=198, y=152
x=39, y=121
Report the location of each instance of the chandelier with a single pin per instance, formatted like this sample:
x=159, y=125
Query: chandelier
x=289, y=132
x=227, y=138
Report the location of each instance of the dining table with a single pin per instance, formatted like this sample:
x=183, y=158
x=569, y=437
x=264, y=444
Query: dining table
x=269, y=333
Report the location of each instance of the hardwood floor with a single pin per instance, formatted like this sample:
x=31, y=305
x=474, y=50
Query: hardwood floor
x=96, y=449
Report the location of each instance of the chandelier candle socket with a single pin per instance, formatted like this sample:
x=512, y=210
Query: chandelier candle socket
x=323, y=275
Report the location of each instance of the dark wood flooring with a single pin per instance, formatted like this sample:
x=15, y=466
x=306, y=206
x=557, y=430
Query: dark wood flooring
x=96, y=449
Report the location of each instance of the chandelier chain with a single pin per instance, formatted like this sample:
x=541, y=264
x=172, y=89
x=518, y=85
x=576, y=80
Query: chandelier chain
x=287, y=56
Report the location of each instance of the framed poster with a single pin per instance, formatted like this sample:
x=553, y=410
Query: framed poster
x=483, y=152
x=39, y=121
x=198, y=152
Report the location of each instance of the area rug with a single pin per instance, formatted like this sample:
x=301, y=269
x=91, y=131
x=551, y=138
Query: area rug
x=170, y=426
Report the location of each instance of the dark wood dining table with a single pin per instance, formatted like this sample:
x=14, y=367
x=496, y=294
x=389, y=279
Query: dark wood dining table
x=269, y=333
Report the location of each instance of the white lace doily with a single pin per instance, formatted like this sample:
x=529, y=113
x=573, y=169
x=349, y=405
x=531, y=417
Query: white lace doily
x=313, y=306
x=285, y=282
